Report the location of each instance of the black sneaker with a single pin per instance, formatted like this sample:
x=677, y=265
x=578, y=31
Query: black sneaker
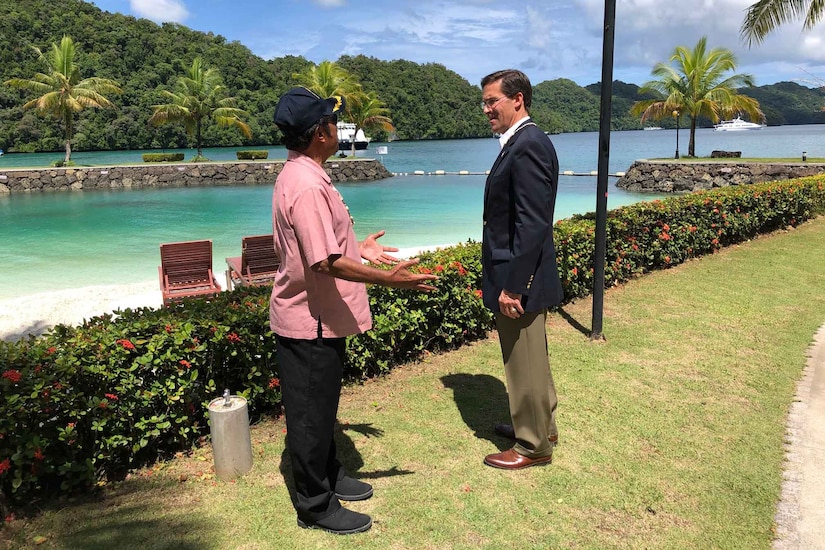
x=350, y=489
x=342, y=522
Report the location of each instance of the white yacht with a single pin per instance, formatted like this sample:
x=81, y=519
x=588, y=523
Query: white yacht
x=737, y=125
x=346, y=131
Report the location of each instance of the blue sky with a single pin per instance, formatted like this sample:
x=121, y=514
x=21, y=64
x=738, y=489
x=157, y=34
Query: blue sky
x=545, y=39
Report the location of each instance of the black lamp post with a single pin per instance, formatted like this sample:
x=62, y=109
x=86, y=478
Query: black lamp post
x=676, y=116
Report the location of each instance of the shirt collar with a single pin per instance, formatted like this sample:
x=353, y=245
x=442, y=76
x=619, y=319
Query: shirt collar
x=304, y=160
x=505, y=137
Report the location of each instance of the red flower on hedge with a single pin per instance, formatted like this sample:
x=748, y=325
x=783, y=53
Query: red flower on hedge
x=274, y=383
x=110, y=396
x=103, y=404
x=425, y=270
x=38, y=454
x=126, y=344
x=574, y=271
x=479, y=293
x=460, y=268
x=439, y=268
x=51, y=350
x=168, y=328
x=12, y=375
x=185, y=363
x=232, y=337
x=5, y=466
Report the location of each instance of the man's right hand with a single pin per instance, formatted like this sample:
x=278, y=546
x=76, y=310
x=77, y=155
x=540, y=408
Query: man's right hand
x=401, y=277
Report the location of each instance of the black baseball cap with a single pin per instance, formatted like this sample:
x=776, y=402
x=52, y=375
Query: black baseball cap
x=300, y=108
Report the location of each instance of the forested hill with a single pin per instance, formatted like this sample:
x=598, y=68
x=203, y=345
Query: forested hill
x=426, y=101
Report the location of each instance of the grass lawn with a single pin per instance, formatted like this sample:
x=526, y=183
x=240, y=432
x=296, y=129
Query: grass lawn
x=671, y=433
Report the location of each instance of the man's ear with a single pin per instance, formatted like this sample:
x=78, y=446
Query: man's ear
x=518, y=99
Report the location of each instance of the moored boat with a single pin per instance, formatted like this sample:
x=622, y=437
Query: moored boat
x=346, y=135
x=737, y=125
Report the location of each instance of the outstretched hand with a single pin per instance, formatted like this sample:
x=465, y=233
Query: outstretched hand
x=377, y=253
x=402, y=277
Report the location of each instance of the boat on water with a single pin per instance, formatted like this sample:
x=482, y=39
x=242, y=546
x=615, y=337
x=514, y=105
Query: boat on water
x=652, y=128
x=736, y=125
x=347, y=134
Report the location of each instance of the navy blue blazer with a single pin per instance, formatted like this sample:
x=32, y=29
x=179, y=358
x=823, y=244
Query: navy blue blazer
x=517, y=251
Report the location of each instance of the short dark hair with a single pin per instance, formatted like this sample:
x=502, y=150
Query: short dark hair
x=512, y=82
x=300, y=142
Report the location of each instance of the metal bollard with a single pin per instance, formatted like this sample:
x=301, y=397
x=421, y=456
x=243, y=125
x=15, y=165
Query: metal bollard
x=231, y=443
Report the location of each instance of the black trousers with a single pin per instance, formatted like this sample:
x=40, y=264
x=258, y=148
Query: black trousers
x=311, y=372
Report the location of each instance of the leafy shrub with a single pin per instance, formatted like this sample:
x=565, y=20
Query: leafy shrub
x=251, y=155
x=162, y=157
x=84, y=404
x=663, y=233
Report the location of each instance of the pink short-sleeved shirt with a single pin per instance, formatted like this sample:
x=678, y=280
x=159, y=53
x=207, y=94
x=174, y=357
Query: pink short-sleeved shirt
x=312, y=223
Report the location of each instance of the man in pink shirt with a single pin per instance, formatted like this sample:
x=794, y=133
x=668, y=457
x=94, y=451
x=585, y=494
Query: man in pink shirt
x=319, y=297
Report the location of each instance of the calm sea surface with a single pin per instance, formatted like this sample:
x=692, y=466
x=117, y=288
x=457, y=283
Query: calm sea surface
x=53, y=241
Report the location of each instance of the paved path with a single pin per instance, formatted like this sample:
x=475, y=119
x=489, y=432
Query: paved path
x=800, y=515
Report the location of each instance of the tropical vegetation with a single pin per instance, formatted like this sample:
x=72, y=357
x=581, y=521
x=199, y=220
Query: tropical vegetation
x=425, y=101
x=765, y=16
x=200, y=96
x=63, y=91
x=695, y=83
x=364, y=109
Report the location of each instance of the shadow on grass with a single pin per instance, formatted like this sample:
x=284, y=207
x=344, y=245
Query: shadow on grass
x=135, y=514
x=347, y=453
x=574, y=322
x=482, y=401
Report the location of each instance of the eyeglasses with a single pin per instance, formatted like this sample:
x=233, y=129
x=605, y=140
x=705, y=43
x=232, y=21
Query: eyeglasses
x=490, y=103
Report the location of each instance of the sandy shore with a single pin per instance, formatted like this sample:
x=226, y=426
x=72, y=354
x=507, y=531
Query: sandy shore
x=37, y=313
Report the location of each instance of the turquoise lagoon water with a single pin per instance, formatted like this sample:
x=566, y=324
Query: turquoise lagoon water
x=52, y=241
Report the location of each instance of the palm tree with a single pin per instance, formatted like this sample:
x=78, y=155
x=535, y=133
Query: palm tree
x=765, y=16
x=696, y=87
x=327, y=80
x=366, y=111
x=63, y=92
x=199, y=96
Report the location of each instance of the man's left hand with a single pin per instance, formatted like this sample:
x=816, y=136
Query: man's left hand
x=377, y=253
x=509, y=304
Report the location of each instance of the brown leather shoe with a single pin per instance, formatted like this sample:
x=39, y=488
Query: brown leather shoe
x=511, y=460
x=506, y=430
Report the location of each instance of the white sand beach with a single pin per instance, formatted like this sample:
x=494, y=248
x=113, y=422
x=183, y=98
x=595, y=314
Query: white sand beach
x=37, y=313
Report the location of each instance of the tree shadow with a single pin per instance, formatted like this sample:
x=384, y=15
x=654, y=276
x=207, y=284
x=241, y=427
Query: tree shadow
x=482, y=401
x=116, y=519
x=33, y=328
x=347, y=453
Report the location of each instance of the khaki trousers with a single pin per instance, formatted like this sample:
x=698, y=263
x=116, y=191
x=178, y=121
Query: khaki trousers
x=530, y=388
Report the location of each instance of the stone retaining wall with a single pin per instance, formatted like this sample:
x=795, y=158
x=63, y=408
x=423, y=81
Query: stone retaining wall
x=682, y=177
x=26, y=180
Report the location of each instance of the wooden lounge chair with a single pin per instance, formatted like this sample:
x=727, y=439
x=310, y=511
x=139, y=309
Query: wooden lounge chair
x=186, y=270
x=256, y=265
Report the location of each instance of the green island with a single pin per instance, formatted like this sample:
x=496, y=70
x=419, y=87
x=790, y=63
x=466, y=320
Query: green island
x=425, y=101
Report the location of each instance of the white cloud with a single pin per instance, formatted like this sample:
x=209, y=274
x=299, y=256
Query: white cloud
x=160, y=11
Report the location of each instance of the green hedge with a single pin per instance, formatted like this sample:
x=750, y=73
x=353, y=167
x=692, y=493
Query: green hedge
x=251, y=155
x=162, y=157
x=87, y=403
x=662, y=233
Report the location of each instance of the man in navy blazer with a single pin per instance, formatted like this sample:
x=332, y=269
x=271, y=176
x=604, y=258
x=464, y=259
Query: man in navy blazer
x=520, y=276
